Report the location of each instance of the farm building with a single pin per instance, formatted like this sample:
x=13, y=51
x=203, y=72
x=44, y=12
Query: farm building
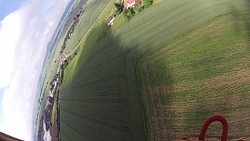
x=110, y=20
x=131, y=3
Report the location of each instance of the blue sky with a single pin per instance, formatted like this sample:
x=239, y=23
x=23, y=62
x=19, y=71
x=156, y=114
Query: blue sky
x=26, y=27
x=8, y=6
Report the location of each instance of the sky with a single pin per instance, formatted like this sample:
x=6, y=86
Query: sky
x=26, y=27
x=7, y=6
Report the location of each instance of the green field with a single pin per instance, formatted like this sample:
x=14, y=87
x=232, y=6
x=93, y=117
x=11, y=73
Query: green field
x=161, y=75
x=189, y=80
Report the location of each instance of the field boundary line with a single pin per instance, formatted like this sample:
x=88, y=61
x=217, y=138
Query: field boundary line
x=127, y=96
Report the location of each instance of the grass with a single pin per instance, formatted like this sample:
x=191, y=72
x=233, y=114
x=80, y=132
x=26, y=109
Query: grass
x=160, y=59
x=197, y=75
x=103, y=100
x=105, y=109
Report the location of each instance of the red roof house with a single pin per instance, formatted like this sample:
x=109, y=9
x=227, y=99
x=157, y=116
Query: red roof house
x=131, y=3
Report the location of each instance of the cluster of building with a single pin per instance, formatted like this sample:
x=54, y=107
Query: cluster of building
x=71, y=29
x=63, y=57
x=45, y=122
x=53, y=89
x=44, y=131
x=57, y=79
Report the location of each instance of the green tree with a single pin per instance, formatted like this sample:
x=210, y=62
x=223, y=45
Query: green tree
x=119, y=8
x=129, y=13
x=147, y=3
x=141, y=8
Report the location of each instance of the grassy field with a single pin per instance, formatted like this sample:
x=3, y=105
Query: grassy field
x=203, y=73
x=183, y=61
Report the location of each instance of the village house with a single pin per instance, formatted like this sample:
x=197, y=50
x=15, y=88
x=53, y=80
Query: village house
x=131, y=3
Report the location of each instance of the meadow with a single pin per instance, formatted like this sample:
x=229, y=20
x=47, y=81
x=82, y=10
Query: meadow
x=185, y=81
x=161, y=75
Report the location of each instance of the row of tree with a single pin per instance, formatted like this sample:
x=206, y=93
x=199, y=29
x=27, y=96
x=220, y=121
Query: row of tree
x=131, y=11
